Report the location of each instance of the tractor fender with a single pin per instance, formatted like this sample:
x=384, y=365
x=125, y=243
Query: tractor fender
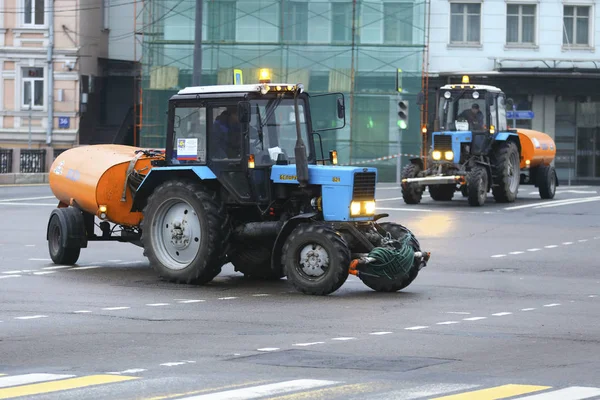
x=509, y=137
x=159, y=175
x=285, y=231
x=418, y=162
x=71, y=218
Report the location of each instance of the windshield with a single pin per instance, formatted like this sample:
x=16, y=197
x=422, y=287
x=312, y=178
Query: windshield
x=273, y=130
x=462, y=112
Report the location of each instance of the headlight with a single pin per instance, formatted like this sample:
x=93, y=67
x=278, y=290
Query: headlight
x=437, y=155
x=449, y=155
x=364, y=208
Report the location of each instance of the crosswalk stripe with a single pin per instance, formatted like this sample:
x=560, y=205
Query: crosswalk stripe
x=570, y=393
x=66, y=384
x=30, y=378
x=423, y=392
x=255, y=392
x=495, y=393
x=353, y=389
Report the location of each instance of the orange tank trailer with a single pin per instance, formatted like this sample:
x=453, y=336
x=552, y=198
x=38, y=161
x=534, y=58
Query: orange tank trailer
x=536, y=147
x=94, y=176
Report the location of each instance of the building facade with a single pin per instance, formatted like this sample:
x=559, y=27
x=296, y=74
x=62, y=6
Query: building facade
x=543, y=54
x=353, y=47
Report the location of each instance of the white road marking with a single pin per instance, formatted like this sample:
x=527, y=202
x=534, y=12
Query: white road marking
x=343, y=338
x=44, y=272
x=30, y=245
x=592, y=296
x=551, y=246
x=552, y=305
x=389, y=188
x=426, y=391
x=114, y=260
x=307, y=344
x=82, y=311
x=40, y=259
x=227, y=298
x=17, y=380
x=129, y=262
x=567, y=243
x=380, y=333
x=533, y=250
x=416, y=328
x=157, y=304
x=115, y=308
x=447, y=323
x=260, y=295
x=82, y=268
x=57, y=267
x=268, y=349
x=516, y=252
x=27, y=198
x=390, y=199
x=173, y=364
x=458, y=312
x=32, y=317
x=501, y=314
x=582, y=240
x=255, y=392
x=128, y=371
x=570, y=393
x=190, y=301
x=9, y=276
x=555, y=203
x=474, y=318
x=12, y=272
x=28, y=204
x=527, y=309
x=499, y=255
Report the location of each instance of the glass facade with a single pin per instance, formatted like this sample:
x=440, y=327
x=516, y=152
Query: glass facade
x=352, y=47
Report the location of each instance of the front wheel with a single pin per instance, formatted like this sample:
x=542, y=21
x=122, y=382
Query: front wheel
x=477, y=186
x=398, y=232
x=316, y=259
x=442, y=192
x=412, y=193
x=184, y=232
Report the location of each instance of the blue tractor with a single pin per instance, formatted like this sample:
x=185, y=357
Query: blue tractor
x=240, y=181
x=474, y=151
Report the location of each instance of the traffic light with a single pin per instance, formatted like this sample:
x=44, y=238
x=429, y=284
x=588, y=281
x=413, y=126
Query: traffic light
x=403, y=114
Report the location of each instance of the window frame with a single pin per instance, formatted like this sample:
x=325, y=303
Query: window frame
x=590, y=19
x=23, y=79
x=199, y=105
x=465, y=43
x=289, y=10
x=349, y=28
x=520, y=43
x=32, y=24
x=396, y=40
x=215, y=33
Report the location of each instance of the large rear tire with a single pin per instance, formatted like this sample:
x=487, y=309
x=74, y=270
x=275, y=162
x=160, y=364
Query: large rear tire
x=507, y=173
x=253, y=259
x=185, y=231
x=393, y=285
x=66, y=232
x=546, y=180
x=316, y=259
x=412, y=193
x=442, y=192
x=477, y=186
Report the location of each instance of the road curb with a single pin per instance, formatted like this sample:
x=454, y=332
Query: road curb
x=23, y=179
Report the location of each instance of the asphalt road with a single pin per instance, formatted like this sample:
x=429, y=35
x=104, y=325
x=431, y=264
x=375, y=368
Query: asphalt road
x=508, y=306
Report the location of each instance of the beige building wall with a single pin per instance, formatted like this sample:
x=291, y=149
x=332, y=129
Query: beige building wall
x=79, y=39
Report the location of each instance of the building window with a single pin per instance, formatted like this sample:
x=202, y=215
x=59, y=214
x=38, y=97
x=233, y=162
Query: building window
x=295, y=21
x=341, y=22
x=465, y=23
x=221, y=20
x=576, y=26
x=33, y=88
x=398, y=23
x=520, y=24
x=33, y=12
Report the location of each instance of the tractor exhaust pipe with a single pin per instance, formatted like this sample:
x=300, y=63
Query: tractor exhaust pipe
x=300, y=149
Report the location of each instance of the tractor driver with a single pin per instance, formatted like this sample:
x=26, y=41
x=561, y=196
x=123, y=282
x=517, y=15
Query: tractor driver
x=474, y=116
x=227, y=132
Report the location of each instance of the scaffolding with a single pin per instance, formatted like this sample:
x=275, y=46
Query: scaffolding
x=353, y=47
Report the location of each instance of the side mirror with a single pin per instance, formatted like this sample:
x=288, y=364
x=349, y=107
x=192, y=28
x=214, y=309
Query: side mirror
x=510, y=103
x=341, y=108
x=244, y=112
x=177, y=121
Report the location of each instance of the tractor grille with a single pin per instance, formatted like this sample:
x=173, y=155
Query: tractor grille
x=364, y=186
x=442, y=143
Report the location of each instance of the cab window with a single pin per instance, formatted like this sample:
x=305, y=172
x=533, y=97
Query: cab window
x=189, y=135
